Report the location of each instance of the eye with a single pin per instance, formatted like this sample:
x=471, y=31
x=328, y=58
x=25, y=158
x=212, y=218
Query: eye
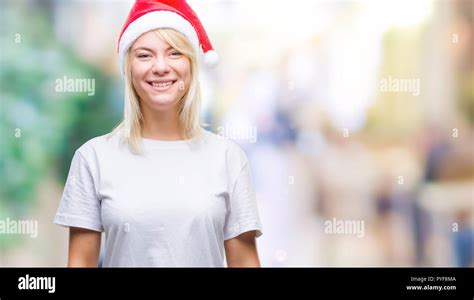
x=176, y=53
x=143, y=55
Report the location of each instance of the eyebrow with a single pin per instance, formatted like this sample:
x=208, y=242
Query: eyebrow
x=151, y=50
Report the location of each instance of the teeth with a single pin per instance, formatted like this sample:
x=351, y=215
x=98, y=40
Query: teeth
x=161, y=84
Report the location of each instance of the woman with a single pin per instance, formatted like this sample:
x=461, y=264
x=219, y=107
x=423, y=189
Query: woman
x=165, y=191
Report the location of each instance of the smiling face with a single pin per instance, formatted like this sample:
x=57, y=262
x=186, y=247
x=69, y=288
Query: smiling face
x=161, y=75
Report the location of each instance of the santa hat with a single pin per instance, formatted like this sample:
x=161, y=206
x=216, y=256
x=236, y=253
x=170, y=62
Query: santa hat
x=147, y=15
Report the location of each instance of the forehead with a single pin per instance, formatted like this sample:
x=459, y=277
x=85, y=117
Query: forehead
x=152, y=41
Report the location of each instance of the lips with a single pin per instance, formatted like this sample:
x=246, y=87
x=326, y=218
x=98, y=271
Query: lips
x=161, y=85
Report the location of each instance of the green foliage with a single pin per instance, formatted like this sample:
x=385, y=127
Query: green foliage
x=40, y=127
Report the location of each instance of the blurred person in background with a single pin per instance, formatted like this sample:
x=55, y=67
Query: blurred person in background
x=447, y=195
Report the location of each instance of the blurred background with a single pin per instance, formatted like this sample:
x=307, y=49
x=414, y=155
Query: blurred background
x=349, y=111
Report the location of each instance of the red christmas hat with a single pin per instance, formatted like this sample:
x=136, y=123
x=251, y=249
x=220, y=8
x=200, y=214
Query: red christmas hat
x=147, y=15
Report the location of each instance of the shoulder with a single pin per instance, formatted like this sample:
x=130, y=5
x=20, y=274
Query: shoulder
x=99, y=144
x=229, y=149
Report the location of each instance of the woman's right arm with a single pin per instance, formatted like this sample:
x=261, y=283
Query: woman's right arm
x=84, y=247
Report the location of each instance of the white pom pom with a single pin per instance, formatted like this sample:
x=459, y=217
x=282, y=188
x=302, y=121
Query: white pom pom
x=211, y=58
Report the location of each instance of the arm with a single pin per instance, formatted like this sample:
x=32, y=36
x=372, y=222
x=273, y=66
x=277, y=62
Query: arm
x=84, y=247
x=241, y=251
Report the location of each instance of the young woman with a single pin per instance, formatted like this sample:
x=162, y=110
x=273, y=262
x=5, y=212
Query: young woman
x=165, y=191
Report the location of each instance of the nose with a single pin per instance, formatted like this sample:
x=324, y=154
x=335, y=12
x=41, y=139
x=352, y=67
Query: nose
x=161, y=66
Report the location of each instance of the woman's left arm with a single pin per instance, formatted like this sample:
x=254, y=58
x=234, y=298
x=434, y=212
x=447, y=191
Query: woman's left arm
x=241, y=251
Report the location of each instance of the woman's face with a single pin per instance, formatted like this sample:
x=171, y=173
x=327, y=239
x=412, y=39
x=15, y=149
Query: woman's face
x=160, y=74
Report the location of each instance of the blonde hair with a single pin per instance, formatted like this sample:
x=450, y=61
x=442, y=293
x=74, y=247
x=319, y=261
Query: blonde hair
x=189, y=106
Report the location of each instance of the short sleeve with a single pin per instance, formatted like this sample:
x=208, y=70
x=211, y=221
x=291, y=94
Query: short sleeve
x=242, y=212
x=80, y=205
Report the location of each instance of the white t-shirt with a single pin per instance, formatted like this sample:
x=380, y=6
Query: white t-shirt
x=172, y=206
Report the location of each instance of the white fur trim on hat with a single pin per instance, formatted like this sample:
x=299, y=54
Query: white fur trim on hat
x=154, y=20
x=211, y=58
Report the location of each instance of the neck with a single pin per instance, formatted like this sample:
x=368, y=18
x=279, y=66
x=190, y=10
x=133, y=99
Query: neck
x=161, y=125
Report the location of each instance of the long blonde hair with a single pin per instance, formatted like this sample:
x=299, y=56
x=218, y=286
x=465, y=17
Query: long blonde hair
x=189, y=106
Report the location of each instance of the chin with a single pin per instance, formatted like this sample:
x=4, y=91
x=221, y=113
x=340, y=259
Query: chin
x=162, y=102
